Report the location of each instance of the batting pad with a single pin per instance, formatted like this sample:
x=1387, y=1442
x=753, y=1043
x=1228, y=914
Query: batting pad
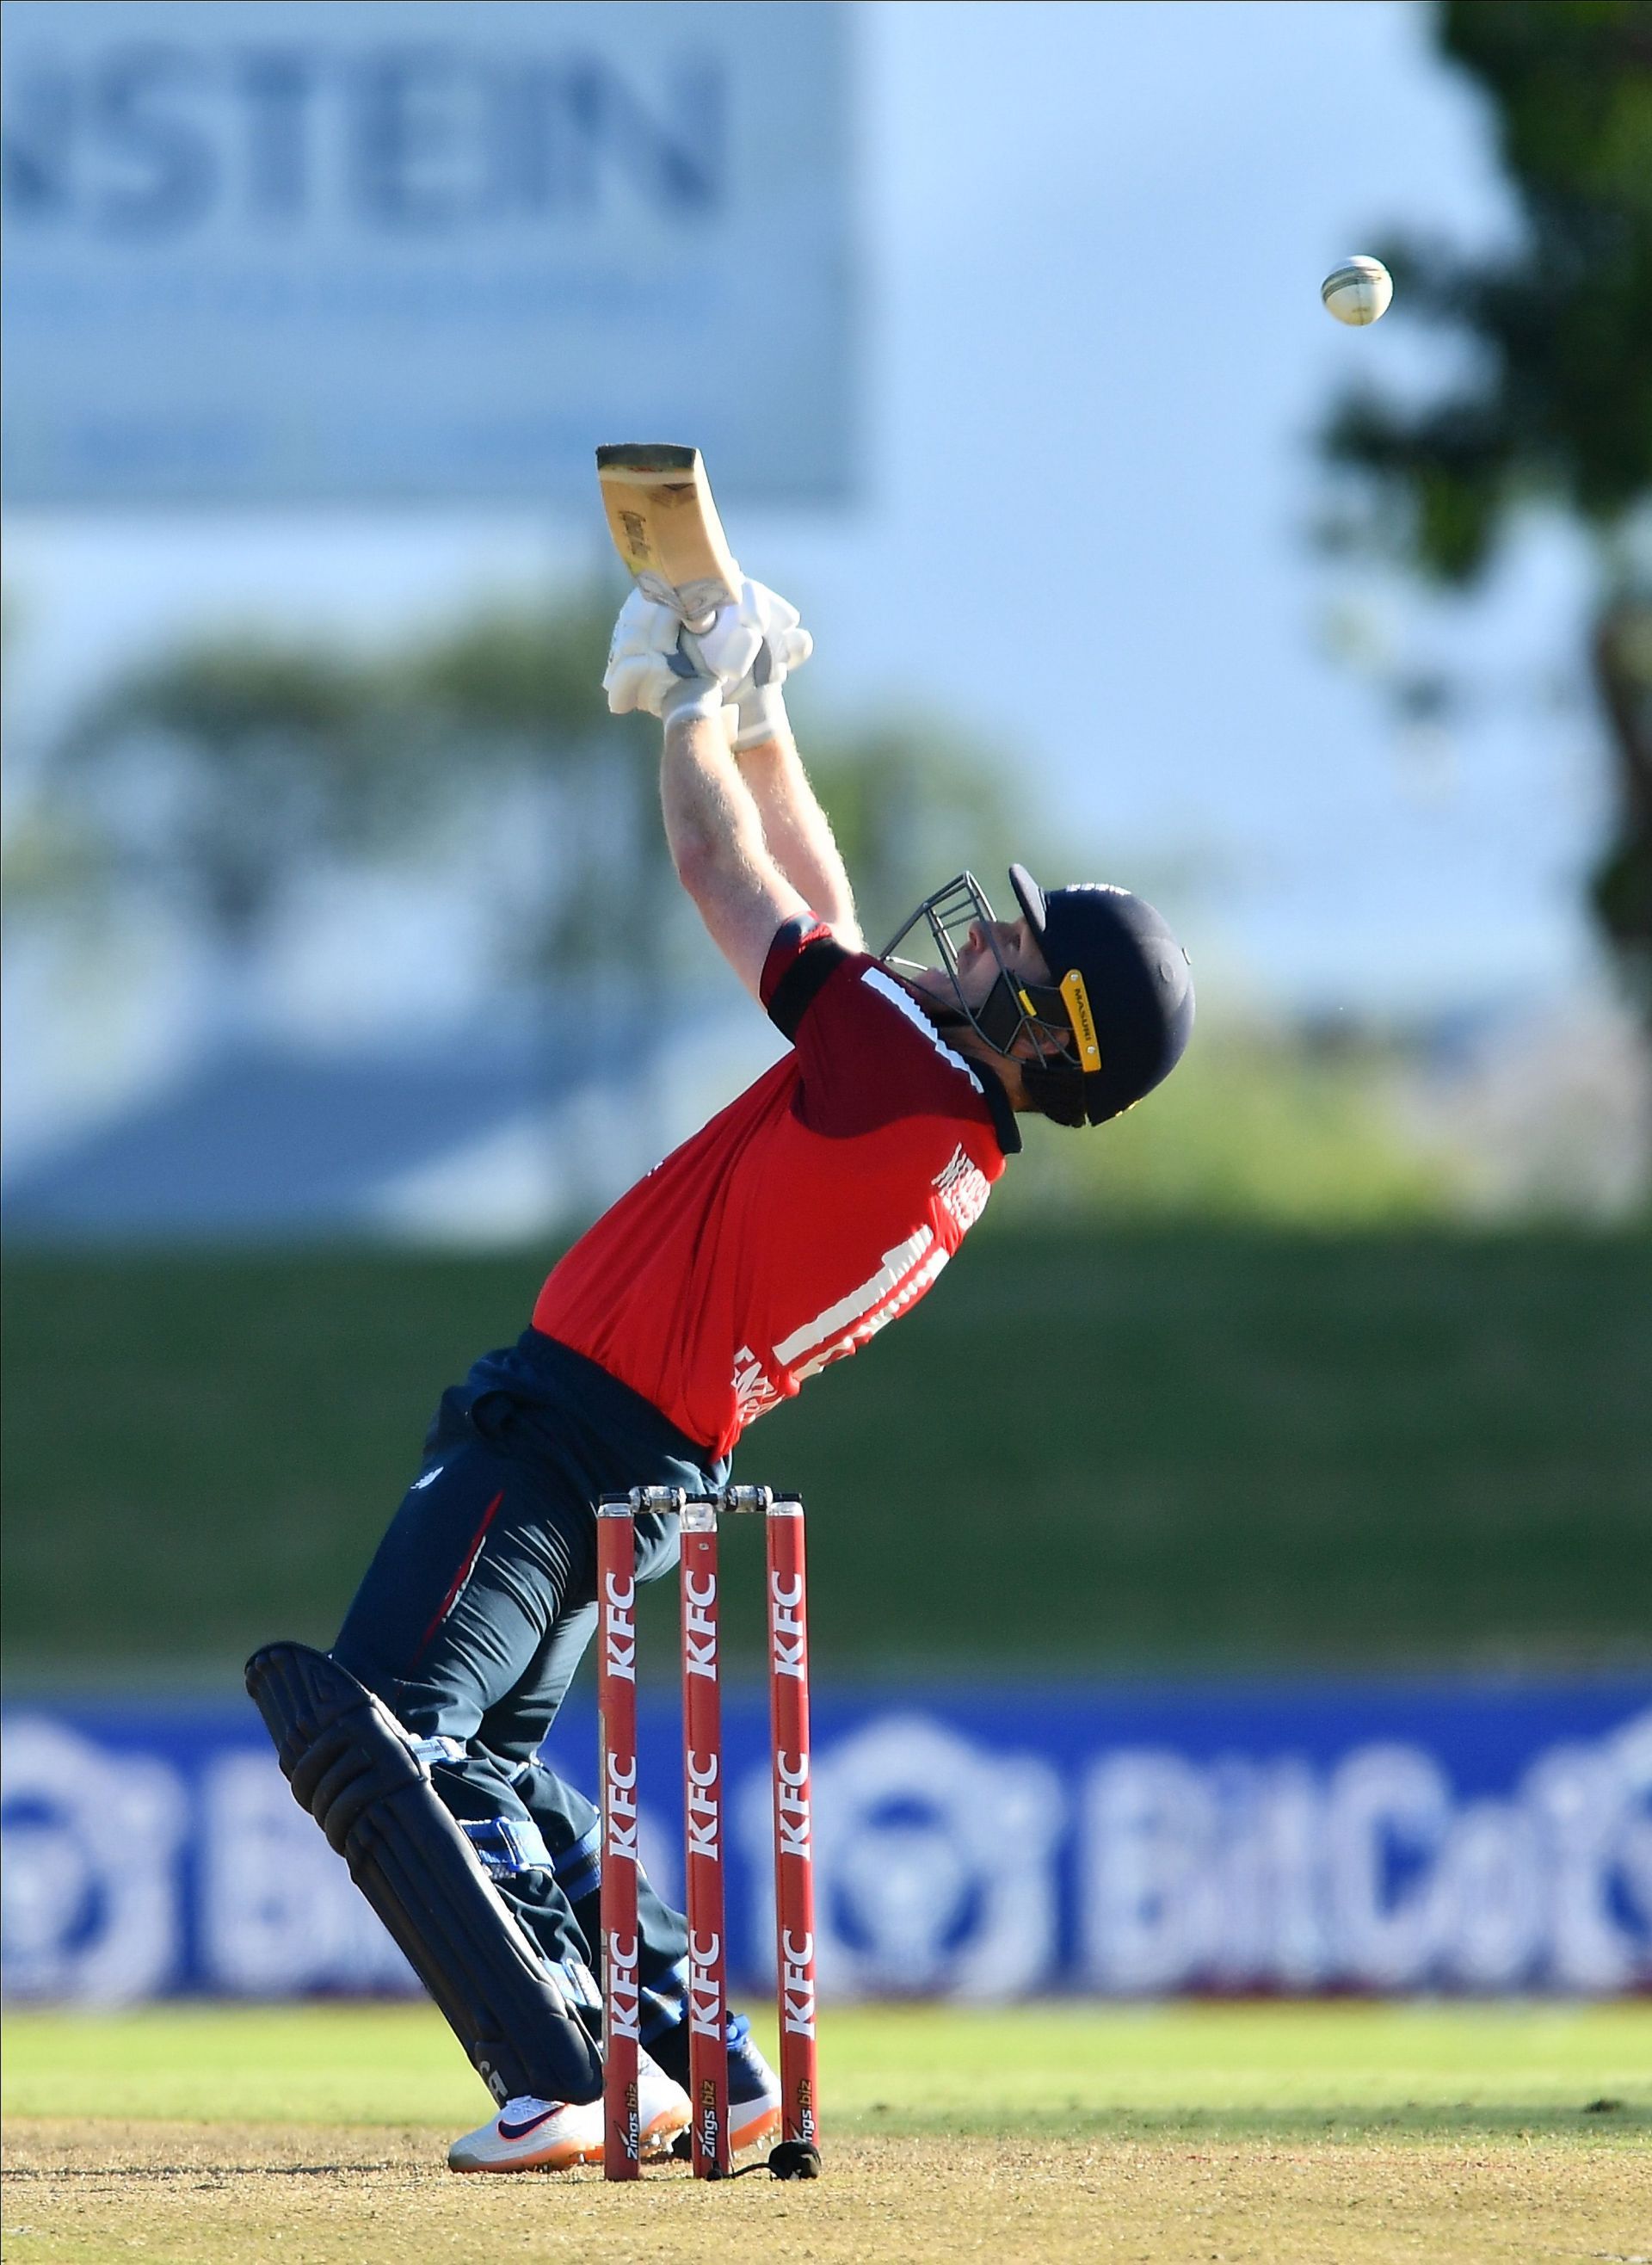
x=354, y=1767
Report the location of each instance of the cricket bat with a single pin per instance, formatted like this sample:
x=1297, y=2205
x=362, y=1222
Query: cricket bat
x=666, y=528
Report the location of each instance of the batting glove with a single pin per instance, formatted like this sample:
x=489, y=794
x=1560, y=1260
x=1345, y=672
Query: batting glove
x=656, y=666
x=653, y=667
x=641, y=653
x=787, y=644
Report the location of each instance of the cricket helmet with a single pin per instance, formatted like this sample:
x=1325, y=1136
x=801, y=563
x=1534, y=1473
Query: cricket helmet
x=1113, y=1021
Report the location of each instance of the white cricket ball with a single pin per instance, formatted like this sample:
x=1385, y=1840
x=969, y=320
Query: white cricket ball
x=1358, y=291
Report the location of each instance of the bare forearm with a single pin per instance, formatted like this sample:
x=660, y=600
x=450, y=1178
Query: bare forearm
x=798, y=833
x=718, y=846
x=711, y=815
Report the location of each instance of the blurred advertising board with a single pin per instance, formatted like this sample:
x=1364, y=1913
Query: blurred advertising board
x=1377, y=1839
x=367, y=251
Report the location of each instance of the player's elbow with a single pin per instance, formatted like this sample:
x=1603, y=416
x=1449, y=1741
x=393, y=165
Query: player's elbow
x=713, y=860
x=696, y=858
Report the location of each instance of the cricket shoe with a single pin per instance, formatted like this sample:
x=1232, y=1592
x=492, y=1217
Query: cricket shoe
x=663, y=2109
x=753, y=2090
x=754, y=2095
x=534, y=2134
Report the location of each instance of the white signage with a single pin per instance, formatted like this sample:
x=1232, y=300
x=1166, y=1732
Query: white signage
x=273, y=251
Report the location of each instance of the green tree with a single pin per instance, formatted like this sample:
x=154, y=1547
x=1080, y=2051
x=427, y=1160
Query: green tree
x=219, y=774
x=912, y=803
x=1557, y=405
x=515, y=696
x=209, y=773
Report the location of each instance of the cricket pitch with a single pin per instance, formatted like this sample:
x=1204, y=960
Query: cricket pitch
x=1283, y=2135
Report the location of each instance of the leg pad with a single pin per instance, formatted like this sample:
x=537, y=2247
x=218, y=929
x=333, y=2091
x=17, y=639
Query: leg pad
x=354, y=1767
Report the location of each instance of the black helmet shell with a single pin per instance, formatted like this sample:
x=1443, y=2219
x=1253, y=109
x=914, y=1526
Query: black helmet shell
x=1136, y=977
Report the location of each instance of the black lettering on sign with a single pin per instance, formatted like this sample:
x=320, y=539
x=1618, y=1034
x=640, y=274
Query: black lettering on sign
x=408, y=143
x=530, y=139
x=275, y=85
x=37, y=143
x=164, y=174
x=669, y=153
x=150, y=140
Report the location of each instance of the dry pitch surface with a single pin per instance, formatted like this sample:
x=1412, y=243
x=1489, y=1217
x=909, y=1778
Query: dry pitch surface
x=1291, y=2136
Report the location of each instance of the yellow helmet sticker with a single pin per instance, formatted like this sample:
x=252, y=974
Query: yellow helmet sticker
x=1077, y=1000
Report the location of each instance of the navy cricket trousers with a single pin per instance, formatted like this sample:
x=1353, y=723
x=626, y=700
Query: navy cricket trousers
x=476, y=1611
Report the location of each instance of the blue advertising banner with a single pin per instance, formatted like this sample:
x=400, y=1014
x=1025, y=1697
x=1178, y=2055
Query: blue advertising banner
x=369, y=250
x=980, y=1846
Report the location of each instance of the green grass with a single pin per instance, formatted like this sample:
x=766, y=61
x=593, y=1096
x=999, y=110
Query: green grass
x=1292, y=2134
x=1138, y=1450
x=1239, y=2072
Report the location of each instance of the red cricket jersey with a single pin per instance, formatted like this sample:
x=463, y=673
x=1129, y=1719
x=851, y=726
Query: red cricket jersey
x=808, y=1213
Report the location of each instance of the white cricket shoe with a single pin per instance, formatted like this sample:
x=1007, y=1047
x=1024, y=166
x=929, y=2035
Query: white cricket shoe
x=662, y=2113
x=534, y=2134
x=663, y=2109
x=753, y=2090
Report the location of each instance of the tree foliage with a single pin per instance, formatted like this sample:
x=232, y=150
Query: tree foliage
x=222, y=774
x=912, y=802
x=210, y=771
x=1556, y=402
x=222, y=769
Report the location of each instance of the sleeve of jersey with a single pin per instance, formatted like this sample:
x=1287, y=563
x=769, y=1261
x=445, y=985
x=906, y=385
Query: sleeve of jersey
x=867, y=1053
x=803, y=954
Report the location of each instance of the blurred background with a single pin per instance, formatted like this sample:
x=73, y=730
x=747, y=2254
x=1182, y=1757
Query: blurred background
x=346, y=977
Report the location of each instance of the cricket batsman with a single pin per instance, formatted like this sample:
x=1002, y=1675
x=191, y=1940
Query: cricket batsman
x=818, y=1207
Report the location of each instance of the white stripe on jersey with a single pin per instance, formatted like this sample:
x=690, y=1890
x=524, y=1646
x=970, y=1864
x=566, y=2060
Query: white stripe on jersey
x=914, y=1286
x=837, y=1318
x=886, y=988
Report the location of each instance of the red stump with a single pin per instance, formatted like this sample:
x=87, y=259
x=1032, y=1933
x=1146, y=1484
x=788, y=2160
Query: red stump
x=617, y=1699
x=703, y=1845
x=794, y=1842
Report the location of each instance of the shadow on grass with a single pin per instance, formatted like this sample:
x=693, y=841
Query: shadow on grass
x=1602, y=2120
x=203, y=2173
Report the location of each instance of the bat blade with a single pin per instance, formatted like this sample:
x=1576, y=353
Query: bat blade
x=666, y=528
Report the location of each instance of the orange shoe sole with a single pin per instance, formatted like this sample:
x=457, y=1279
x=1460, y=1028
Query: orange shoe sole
x=655, y=2143
x=565, y=2157
x=763, y=2124
x=658, y=2140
